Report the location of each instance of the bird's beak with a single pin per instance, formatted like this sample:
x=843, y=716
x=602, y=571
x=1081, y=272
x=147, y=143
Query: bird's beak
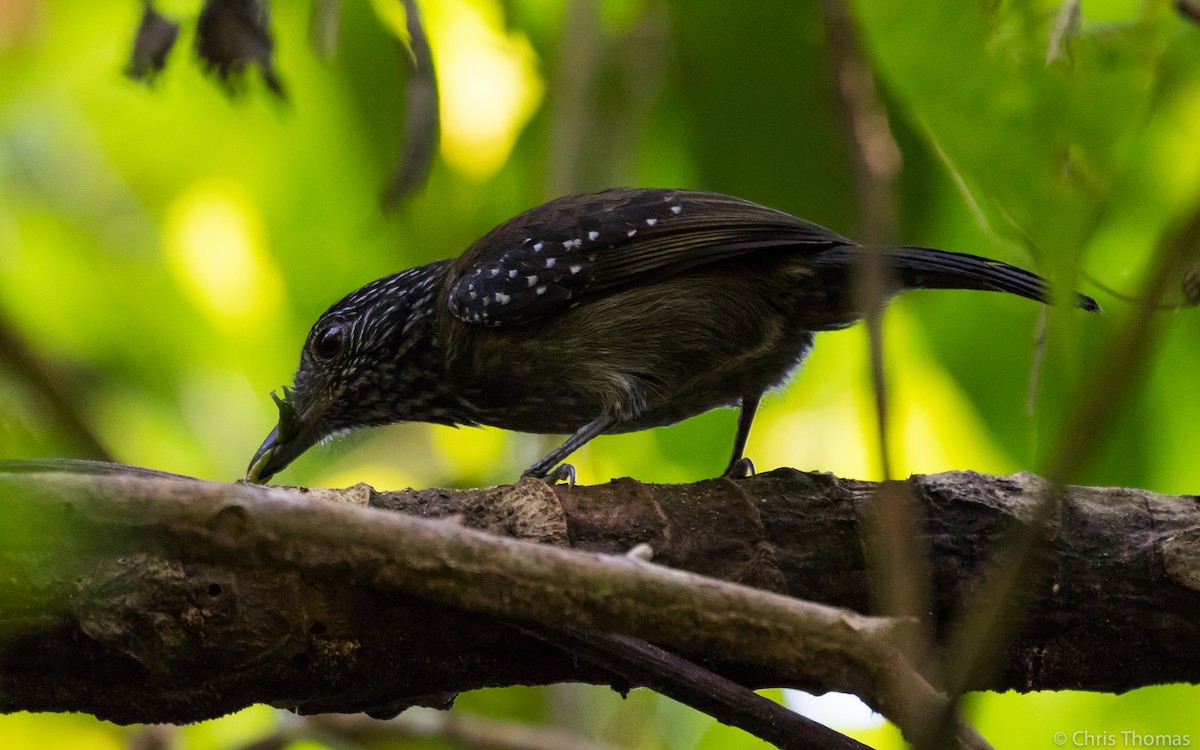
x=294, y=434
x=274, y=455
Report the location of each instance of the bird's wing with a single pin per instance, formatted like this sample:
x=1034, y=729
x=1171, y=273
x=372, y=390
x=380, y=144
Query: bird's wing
x=575, y=248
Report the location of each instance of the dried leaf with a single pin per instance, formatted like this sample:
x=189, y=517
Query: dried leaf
x=231, y=35
x=155, y=37
x=419, y=138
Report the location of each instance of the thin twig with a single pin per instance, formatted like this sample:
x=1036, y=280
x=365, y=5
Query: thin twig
x=642, y=663
x=876, y=159
x=61, y=399
x=898, y=558
x=870, y=144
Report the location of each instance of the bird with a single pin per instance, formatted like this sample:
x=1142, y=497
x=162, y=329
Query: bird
x=599, y=313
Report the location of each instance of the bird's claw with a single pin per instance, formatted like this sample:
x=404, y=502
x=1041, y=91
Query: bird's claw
x=743, y=468
x=560, y=473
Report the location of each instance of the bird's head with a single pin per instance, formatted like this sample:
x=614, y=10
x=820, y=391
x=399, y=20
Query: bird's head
x=366, y=362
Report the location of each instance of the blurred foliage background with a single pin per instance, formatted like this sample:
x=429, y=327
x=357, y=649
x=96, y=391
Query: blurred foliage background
x=164, y=248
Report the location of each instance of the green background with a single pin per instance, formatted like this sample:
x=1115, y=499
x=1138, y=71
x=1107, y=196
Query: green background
x=164, y=249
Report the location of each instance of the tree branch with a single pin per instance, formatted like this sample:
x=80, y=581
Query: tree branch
x=196, y=598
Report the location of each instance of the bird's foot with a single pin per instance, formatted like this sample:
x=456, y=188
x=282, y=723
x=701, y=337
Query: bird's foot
x=743, y=468
x=560, y=473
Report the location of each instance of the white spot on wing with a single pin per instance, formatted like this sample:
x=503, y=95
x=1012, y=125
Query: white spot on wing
x=576, y=268
x=540, y=290
x=631, y=232
x=572, y=244
x=502, y=298
x=676, y=209
x=512, y=274
x=593, y=236
x=531, y=280
x=651, y=222
x=537, y=247
x=550, y=262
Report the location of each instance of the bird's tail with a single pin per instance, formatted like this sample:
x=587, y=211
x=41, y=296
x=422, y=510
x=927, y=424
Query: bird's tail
x=926, y=268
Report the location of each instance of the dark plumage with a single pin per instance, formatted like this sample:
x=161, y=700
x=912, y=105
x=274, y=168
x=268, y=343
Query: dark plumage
x=599, y=313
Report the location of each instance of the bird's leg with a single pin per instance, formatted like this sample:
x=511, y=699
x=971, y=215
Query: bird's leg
x=590, y=430
x=739, y=466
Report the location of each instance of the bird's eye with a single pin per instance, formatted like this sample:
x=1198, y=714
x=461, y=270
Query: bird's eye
x=328, y=343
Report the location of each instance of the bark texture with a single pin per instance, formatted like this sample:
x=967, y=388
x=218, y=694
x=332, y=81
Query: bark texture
x=144, y=597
